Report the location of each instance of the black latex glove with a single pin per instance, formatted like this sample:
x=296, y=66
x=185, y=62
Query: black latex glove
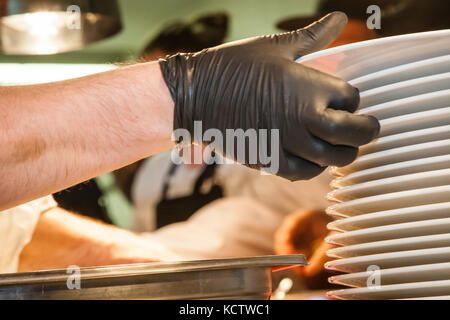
x=255, y=83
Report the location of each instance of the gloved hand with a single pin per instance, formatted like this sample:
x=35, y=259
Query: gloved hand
x=256, y=84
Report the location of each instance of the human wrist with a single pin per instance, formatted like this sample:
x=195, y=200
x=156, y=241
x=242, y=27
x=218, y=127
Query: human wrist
x=160, y=110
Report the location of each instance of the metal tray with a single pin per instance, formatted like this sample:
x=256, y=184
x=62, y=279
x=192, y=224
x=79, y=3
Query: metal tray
x=243, y=278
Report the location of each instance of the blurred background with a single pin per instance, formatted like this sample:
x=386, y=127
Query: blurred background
x=142, y=20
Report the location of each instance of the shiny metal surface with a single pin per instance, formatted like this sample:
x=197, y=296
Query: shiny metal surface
x=247, y=278
x=36, y=27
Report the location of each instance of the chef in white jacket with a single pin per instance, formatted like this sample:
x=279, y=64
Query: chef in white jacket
x=16, y=230
x=241, y=223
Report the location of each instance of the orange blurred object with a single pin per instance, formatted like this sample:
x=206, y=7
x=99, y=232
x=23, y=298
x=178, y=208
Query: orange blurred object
x=355, y=31
x=303, y=232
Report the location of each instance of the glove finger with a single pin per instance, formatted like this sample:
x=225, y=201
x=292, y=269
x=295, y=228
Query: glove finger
x=321, y=152
x=343, y=96
x=294, y=168
x=339, y=127
x=316, y=36
x=337, y=93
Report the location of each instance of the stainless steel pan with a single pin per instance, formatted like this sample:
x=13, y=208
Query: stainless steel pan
x=244, y=278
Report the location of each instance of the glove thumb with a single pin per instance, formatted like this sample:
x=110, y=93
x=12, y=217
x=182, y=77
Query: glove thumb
x=316, y=36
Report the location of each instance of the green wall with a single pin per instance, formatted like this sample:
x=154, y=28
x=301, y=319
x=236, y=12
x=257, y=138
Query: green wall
x=143, y=18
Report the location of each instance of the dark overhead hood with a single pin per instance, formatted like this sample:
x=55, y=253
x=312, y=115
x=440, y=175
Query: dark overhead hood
x=38, y=27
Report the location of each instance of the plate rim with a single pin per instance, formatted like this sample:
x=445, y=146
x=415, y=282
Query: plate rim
x=389, y=287
x=419, y=176
x=405, y=101
x=381, y=256
x=445, y=205
x=389, y=196
x=400, y=137
x=404, y=67
x=408, y=162
x=374, y=42
x=406, y=84
x=390, y=228
x=431, y=266
x=377, y=155
x=387, y=242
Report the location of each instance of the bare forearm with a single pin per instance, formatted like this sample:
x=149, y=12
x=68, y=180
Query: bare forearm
x=62, y=239
x=55, y=135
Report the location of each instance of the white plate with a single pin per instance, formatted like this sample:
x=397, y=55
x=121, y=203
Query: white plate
x=428, y=298
x=408, y=153
x=403, y=72
x=381, y=60
x=362, y=58
x=395, y=216
x=391, y=201
x=391, y=170
x=389, y=185
x=389, y=232
x=401, y=107
x=406, y=139
x=394, y=245
x=415, y=121
x=391, y=260
x=396, y=291
x=405, y=89
x=428, y=272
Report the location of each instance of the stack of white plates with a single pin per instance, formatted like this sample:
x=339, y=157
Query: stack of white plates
x=393, y=202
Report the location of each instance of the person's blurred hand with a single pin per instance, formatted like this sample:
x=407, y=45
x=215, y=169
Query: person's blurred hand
x=303, y=232
x=134, y=249
x=62, y=239
x=318, y=259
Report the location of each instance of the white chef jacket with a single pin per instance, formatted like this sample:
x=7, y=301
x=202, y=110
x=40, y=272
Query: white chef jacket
x=226, y=228
x=242, y=224
x=16, y=229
